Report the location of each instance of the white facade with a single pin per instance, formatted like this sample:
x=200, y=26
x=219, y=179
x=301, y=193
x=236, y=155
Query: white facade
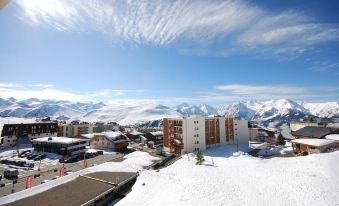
x=193, y=134
x=241, y=131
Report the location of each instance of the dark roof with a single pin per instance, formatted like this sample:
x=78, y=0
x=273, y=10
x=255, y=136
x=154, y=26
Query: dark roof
x=314, y=132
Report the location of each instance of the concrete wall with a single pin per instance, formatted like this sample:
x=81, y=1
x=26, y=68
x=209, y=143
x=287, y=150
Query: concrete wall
x=253, y=132
x=241, y=132
x=193, y=134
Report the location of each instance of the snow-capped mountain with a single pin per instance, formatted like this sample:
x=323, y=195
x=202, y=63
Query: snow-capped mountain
x=187, y=110
x=271, y=113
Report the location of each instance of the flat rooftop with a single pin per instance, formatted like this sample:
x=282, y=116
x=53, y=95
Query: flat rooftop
x=76, y=192
x=65, y=140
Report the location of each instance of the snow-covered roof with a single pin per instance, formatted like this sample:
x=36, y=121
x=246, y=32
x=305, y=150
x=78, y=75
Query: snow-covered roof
x=143, y=138
x=334, y=137
x=90, y=135
x=112, y=135
x=135, y=133
x=65, y=140
x=314, y=142
x=158, y=133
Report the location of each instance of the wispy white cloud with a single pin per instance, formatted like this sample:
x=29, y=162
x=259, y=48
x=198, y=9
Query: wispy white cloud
x=220, y=95
x=48, y=91
x=234, y=26
x=260, y=89
x=268, y=92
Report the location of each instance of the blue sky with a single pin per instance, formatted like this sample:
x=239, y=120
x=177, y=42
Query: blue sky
x=213, y=52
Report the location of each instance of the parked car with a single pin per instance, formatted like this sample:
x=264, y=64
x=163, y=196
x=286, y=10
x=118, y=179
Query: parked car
x=36, y=175
x=100, y=152
x=71, y=160
x=20, y=163
x=27, y=154
x=40, y=157
x=21, y=154
x=2, y=184
x=4, y=161
x=44, y=181
x=29, y=164
x=89, y=155
x=32, y=156
x=11, y=173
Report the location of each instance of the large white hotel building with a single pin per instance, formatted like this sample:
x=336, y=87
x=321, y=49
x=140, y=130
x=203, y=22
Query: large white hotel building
x=187, y=134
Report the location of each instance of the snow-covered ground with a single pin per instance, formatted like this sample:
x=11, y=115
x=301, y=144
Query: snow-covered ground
x=225, y=179
x=106, y=151
x=134, y=162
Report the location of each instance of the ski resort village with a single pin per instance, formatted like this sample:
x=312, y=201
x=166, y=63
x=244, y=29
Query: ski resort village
x=187, y=159
x=169, y=102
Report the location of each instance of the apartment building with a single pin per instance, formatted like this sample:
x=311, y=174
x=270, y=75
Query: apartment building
x=102, y=127
x=12, y=132
x=188, y=134
x=74, y=130
x=107, y=140
x=62, y=145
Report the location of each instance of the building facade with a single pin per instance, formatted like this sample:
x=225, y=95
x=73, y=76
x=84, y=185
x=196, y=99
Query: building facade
x=12, y=132
x=74, y=130
x=61, y=145
x=188, y=134
x=102, y=127
x=107, y=140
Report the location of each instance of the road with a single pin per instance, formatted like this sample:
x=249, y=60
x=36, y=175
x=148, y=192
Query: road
x=47, y=173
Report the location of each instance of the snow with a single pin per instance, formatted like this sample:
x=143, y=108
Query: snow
x=224, y=179
x=158, y=133
x=105, y=150
x=127, y=113
x=134, y=162
x=112, y=134
x=65, y=140
x=314, y=142
x=334, y=137
x=135, y=133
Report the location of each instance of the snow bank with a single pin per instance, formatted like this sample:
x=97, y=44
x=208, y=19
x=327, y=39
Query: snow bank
x=334, y=137
x=314, y=142
x=134, y=162
x=243, y=180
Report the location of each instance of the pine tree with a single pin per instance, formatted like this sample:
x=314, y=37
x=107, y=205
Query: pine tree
x=280, y=140
x=200, y=158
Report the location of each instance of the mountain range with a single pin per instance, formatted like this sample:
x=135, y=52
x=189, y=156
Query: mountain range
x=273, y=113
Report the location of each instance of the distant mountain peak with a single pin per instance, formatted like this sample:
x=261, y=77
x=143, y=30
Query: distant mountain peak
x=273, y=112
